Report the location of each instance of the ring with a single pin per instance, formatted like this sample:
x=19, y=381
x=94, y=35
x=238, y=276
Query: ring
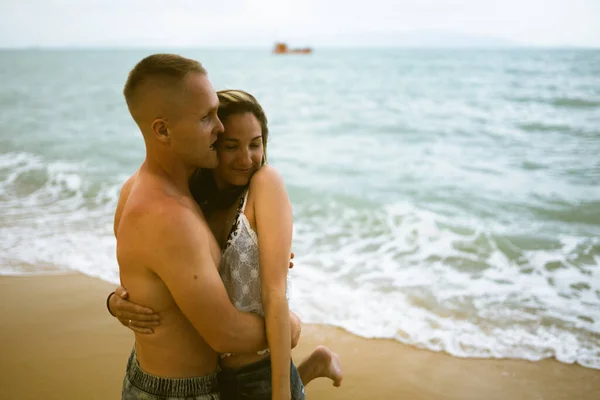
x=129, y=322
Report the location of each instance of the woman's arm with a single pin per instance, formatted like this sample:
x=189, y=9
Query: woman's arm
x=273, y=214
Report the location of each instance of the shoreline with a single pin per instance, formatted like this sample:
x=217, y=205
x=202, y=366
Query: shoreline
x=59, y=342
x=343, y=330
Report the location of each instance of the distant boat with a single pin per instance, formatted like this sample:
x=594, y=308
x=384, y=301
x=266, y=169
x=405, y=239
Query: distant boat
x=282, y=48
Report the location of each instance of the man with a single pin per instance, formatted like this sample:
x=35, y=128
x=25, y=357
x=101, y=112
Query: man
x=167, y=255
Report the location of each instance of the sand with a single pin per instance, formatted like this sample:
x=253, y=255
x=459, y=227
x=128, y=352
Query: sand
x=58, y=342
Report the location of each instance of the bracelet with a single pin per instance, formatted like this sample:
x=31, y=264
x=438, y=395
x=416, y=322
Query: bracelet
x=107, y=307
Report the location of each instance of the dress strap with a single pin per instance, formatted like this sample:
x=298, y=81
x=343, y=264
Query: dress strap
x=234, y=226
x=244, y=202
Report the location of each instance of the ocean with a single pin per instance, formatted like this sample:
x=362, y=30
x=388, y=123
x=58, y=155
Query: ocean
x=448, y=199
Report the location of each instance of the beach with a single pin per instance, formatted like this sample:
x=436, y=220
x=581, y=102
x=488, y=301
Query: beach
x=58, y=342
x=449, y=200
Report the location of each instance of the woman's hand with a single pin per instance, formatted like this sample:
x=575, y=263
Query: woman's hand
x=135, y=317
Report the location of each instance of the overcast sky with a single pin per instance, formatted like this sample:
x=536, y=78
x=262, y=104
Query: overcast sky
x=300, y=22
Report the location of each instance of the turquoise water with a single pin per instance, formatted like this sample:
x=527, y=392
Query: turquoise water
x=449, y=199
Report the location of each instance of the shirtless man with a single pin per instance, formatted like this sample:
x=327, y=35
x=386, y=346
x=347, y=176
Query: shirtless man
x=166, y=252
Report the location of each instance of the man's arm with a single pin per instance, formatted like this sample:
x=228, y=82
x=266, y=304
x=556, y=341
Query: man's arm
x=143, y=319
x=181, y=257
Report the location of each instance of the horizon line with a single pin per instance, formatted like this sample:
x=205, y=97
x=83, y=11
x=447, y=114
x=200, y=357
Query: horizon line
x=327, y=46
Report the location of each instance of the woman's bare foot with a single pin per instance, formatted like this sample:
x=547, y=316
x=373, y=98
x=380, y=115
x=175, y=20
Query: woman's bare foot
x=321, y=363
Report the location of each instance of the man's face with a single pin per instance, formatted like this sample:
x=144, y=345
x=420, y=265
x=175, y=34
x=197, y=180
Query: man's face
x=194, y=131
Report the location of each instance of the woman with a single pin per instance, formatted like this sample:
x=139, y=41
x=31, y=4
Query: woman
x=247, y=209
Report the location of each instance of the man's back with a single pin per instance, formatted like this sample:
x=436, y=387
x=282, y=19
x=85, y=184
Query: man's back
x=176, y=349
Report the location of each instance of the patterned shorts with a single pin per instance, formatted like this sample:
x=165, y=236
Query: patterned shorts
x=140, y=385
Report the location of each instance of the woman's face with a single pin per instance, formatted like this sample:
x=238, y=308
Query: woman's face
x=240, y=150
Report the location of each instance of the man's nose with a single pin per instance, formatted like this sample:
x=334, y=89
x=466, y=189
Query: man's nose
x=219, y=127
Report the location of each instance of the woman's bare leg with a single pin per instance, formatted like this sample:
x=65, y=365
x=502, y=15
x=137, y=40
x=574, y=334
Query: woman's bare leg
x=321, y=363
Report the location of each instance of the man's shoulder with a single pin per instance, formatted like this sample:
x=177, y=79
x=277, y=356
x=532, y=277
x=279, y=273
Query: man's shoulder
x=129, y=182
x=126, y=190
x=160, y=210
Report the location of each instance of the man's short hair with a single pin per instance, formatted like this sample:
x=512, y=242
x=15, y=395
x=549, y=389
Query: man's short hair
x=168, y=69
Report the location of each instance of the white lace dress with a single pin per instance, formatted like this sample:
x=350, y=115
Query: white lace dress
x=240, y=266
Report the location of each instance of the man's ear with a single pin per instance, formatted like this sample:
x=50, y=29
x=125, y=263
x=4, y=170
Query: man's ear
x=160, y=129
